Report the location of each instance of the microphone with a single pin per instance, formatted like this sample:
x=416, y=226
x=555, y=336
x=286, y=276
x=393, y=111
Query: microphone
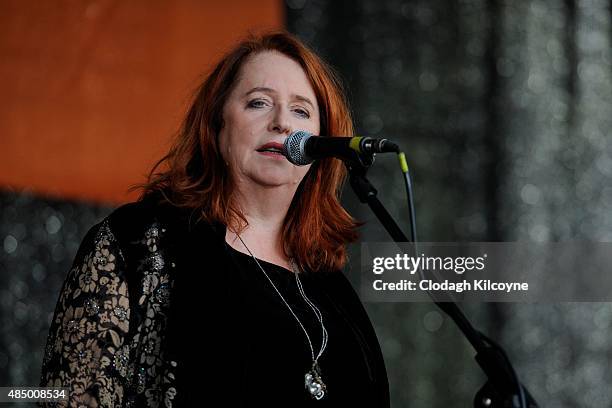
x=302, y=148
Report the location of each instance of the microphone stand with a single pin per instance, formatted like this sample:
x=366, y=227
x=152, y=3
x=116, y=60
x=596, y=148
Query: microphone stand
x=503, y=388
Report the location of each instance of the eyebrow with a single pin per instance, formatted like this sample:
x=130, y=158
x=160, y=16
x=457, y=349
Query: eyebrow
x=270, y=90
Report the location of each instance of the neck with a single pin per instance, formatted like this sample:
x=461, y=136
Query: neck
x=265, y=209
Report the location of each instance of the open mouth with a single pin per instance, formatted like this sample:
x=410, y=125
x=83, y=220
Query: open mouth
x=272, y=148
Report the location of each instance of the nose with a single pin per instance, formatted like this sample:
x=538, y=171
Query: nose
x=280, y=122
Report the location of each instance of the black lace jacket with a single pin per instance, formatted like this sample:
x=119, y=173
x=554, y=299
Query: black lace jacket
x=125, y=332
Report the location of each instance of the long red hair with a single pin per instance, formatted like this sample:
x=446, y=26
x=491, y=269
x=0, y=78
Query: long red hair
x=316, y=228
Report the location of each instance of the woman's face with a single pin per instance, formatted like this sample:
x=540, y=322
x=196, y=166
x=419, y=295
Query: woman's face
x=271, y=98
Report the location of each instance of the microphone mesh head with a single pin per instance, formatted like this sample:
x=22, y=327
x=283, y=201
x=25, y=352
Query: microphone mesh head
x=294, y=148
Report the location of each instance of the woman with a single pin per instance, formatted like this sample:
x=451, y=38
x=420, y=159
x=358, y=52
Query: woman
x=224, y=280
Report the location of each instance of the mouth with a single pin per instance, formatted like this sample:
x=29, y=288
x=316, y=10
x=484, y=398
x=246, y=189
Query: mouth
x=272, y=148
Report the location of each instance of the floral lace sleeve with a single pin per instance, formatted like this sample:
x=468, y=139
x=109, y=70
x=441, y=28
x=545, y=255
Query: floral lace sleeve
x=87, y=348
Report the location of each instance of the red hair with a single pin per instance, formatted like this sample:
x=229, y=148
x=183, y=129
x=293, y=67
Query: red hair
x=316, y=228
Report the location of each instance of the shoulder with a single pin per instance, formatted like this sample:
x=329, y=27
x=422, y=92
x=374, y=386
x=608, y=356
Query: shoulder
x=153, y=223
x=134, y=233
x=151, y=216
x=135, y=220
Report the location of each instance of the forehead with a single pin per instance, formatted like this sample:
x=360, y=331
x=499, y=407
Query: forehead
x=271, y=69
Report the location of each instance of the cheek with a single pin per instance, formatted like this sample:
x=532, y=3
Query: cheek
x=316, y=125
x=317, y=129
x=228, y=140
x=233, y=147
x=226, y=133
x=236, y=137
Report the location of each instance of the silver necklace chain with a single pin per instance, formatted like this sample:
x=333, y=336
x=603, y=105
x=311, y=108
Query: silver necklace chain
x=313, y=380
x=315, y=310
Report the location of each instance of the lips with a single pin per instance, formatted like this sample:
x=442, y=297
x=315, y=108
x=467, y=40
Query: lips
x=272, y=147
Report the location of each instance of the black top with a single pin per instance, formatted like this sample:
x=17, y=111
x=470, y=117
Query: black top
x=158, y=310
x=279, y=352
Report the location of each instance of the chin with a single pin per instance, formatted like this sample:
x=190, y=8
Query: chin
x=272, y=177
x=273, y=182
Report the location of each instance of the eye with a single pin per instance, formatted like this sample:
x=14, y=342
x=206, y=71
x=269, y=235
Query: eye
x=257, y=103
x=302, y=112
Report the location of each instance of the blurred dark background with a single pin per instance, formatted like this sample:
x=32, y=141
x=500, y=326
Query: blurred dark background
x=503, y=109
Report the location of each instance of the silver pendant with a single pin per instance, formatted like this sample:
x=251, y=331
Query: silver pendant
x=314, y=384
